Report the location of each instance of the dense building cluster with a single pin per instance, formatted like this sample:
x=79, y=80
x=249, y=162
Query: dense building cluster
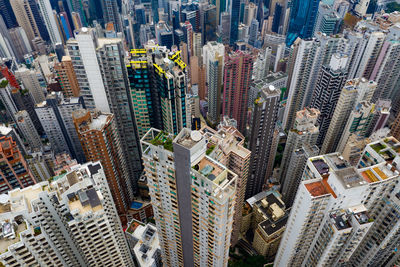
x=199, y=133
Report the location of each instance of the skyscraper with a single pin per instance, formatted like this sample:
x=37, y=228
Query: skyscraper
x=189, y=190
x=234, y=11
x=330, y=83
x=213, y=59
x=13, y=168
x=344, y=215
x=111, y=13
x=304, y=132
x=7, y=13
x=25, y=18
x=302, y=19
x=227, y=146
x=38, y=234
x=100, y=141
x=28, y=131
x=55, y=115
x=262, y=126
x=49, y=20
x=238, y=71
x=67, y=77
x=358, y=122
x=30, y=81
x=353, y=92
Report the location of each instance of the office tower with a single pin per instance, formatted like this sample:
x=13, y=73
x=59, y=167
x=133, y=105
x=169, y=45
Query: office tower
x=237, y=78
x=66, y=77
x=213, y=59
x=30, y=81
x=227, y=147
x=225, y=27
x=164, y=34
x=20, y=43
x=366, y=53
x=210, y=23
x=144, y=243
x=28, y=131
x=55, y=115
x=40, y=214
x=49, y=20
x=358, y=122
x=14, y=169
x=262, y=63
x=25, y=18
x=304, y=132
x=328, y=21
x=7, y=13
x=250, y=13
x=87, y=69
x=353, y=92
x=253, y=32
x=100, y=141
x=111, y=13
x=302, y=19
x=234, y=11
x=200, y=189
x=387, y=76
x=330, y=83
x=270, y=217
x=262, y=126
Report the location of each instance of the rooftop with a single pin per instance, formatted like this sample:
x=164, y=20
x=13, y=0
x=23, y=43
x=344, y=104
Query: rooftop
x=319, y=188
x=209, y=169
x=340, y=220
x=163, y=139
x=85, y=201
x=12, y=230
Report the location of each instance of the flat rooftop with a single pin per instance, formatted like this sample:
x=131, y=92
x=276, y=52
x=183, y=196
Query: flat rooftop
x=270, y=227
x=85, y=200
x=340, y=220
x=6, y=242
x=349, y=177
x=320, y=188
x=209, y=169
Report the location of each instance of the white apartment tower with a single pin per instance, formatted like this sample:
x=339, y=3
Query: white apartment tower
x=193, y=198
x=70, y=222
x=49, y=20
x=345, y=216
x=30, y=81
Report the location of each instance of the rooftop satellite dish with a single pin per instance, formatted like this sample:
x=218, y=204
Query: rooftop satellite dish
x=195, y=135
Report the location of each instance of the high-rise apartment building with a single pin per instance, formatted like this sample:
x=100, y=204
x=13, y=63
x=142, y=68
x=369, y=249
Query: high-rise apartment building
x=193, y=198
x=158, y=88
x=7, y=13
x=262, y=64
x=55, y=115
x=25, y=18
x=227, y=147
x=305, y=132
x=262, y=127
x=105, y=84
x=344, y=215
x=213, y=59
x=100, y=141
x=111, y=13
x=66, y=76
x=28, y=131
x=353, y=92
x=30, y=81
x=330, y=83
x=13, y=168
x=238, y=72
x=357, y=123
x=49, y=20
x=60, y=224
x=304, y=65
